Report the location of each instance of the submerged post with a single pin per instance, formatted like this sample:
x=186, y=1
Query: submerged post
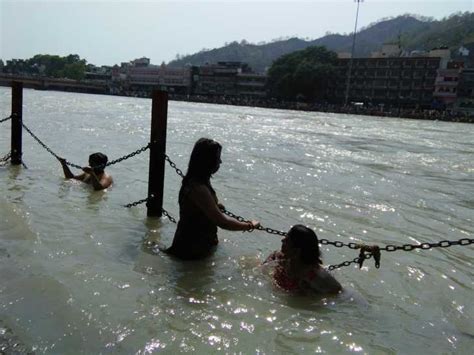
x=17, y=116
x=156, y=175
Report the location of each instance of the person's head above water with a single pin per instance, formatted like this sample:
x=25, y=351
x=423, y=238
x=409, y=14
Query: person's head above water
x=205, y=160
x=97, y=161
x=303, y=243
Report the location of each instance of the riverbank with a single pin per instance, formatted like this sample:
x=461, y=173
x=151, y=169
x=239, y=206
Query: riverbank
x=102, y=88
x=434, y=115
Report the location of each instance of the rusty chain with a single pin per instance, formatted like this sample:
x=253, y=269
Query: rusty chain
x=136, y=203
x=391, y=248
x=139, y=202
x=426, y=246
x=5, y=119
x=125, y=157
x=173, y=165
x=348, y=263
x=167, y=215
x=5, y=159
x=339, y=244
x=128, y=156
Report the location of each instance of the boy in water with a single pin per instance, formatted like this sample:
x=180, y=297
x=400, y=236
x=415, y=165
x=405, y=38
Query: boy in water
x=93, y=174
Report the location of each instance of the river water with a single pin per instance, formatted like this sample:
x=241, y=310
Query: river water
x=77, y=275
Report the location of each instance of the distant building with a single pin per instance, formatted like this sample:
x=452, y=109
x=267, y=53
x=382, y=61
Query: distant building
x=99, y=74
x=140, y=62
x=465, y=99
x=389, y=50
x=443, y=53
x=343, y=55
x=396, y=82
x=251, y=85
x=229, y=79
x=446, y=83
x=141, y=76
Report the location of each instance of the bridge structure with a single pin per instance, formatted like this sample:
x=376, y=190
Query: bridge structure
x=42, y=83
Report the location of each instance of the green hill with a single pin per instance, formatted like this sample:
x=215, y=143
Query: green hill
x=415, y=32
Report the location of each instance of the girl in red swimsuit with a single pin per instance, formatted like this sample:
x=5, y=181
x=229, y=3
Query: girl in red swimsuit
x=298, y=266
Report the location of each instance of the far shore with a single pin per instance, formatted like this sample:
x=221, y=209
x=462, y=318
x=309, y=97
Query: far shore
x=410, y=113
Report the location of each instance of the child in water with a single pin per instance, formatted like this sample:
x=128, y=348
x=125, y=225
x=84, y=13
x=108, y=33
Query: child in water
x=93, y=174
x=298, y=265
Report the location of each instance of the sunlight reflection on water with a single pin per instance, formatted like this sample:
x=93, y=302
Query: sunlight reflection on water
x=81, y=272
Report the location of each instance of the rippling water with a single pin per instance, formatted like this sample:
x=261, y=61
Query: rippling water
x=76, y=275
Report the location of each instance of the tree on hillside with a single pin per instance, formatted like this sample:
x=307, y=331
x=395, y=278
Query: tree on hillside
x=302, y=74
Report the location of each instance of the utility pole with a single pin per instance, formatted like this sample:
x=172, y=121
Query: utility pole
x=348, y=82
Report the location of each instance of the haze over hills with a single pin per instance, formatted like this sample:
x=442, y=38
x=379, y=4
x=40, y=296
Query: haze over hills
x=415, y=32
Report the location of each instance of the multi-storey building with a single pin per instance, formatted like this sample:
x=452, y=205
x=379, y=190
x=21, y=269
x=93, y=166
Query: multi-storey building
x=391, y=81
x=227, y=79
x=446, y=84
x=465, y=100
x=251, y=85
x=139, y=75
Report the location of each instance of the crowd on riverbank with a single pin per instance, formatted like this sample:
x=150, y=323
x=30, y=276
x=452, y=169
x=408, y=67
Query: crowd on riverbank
x=423, y=114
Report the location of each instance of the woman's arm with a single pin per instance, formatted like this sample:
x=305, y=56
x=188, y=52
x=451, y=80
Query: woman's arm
x=203, y=199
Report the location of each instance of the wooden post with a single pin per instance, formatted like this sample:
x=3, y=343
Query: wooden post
x=17, y=116
x=156, y=175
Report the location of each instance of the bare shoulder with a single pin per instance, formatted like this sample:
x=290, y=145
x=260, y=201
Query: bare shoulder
x=106, y=181
x=275, y=256
x=322, y=281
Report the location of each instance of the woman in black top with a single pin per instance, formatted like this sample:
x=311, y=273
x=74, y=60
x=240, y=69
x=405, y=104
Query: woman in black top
x=199, y=209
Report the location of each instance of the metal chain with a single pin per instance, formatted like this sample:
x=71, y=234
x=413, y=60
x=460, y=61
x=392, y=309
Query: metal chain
x=166, y=214
x=348, y=263
x=139, y=202
x=40, y=142
x=339, y=244
x=136, y=203
x=5, y=159
x=5, y=119
x=173, y=165
x=125, y=157
x=426, y=246
x=404, y=247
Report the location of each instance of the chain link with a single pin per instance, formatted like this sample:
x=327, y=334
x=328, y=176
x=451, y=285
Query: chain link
x=5, y=119
x=139, y=202
x=242, y=219
x=426, y=246
x=125, y=157
x=339, y=244
x=166, y=214
x=40, y=142
x=404, y=247
x=173, y=165
x=136, y=203
x=5, y=159
x=348, y=263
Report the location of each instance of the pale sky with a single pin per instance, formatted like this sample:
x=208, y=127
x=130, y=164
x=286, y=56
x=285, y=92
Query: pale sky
x=107, y=32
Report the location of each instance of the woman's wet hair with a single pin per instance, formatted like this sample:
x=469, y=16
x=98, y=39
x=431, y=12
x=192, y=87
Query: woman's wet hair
x=306, y=240
x=98, y=161
x=204, y=160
